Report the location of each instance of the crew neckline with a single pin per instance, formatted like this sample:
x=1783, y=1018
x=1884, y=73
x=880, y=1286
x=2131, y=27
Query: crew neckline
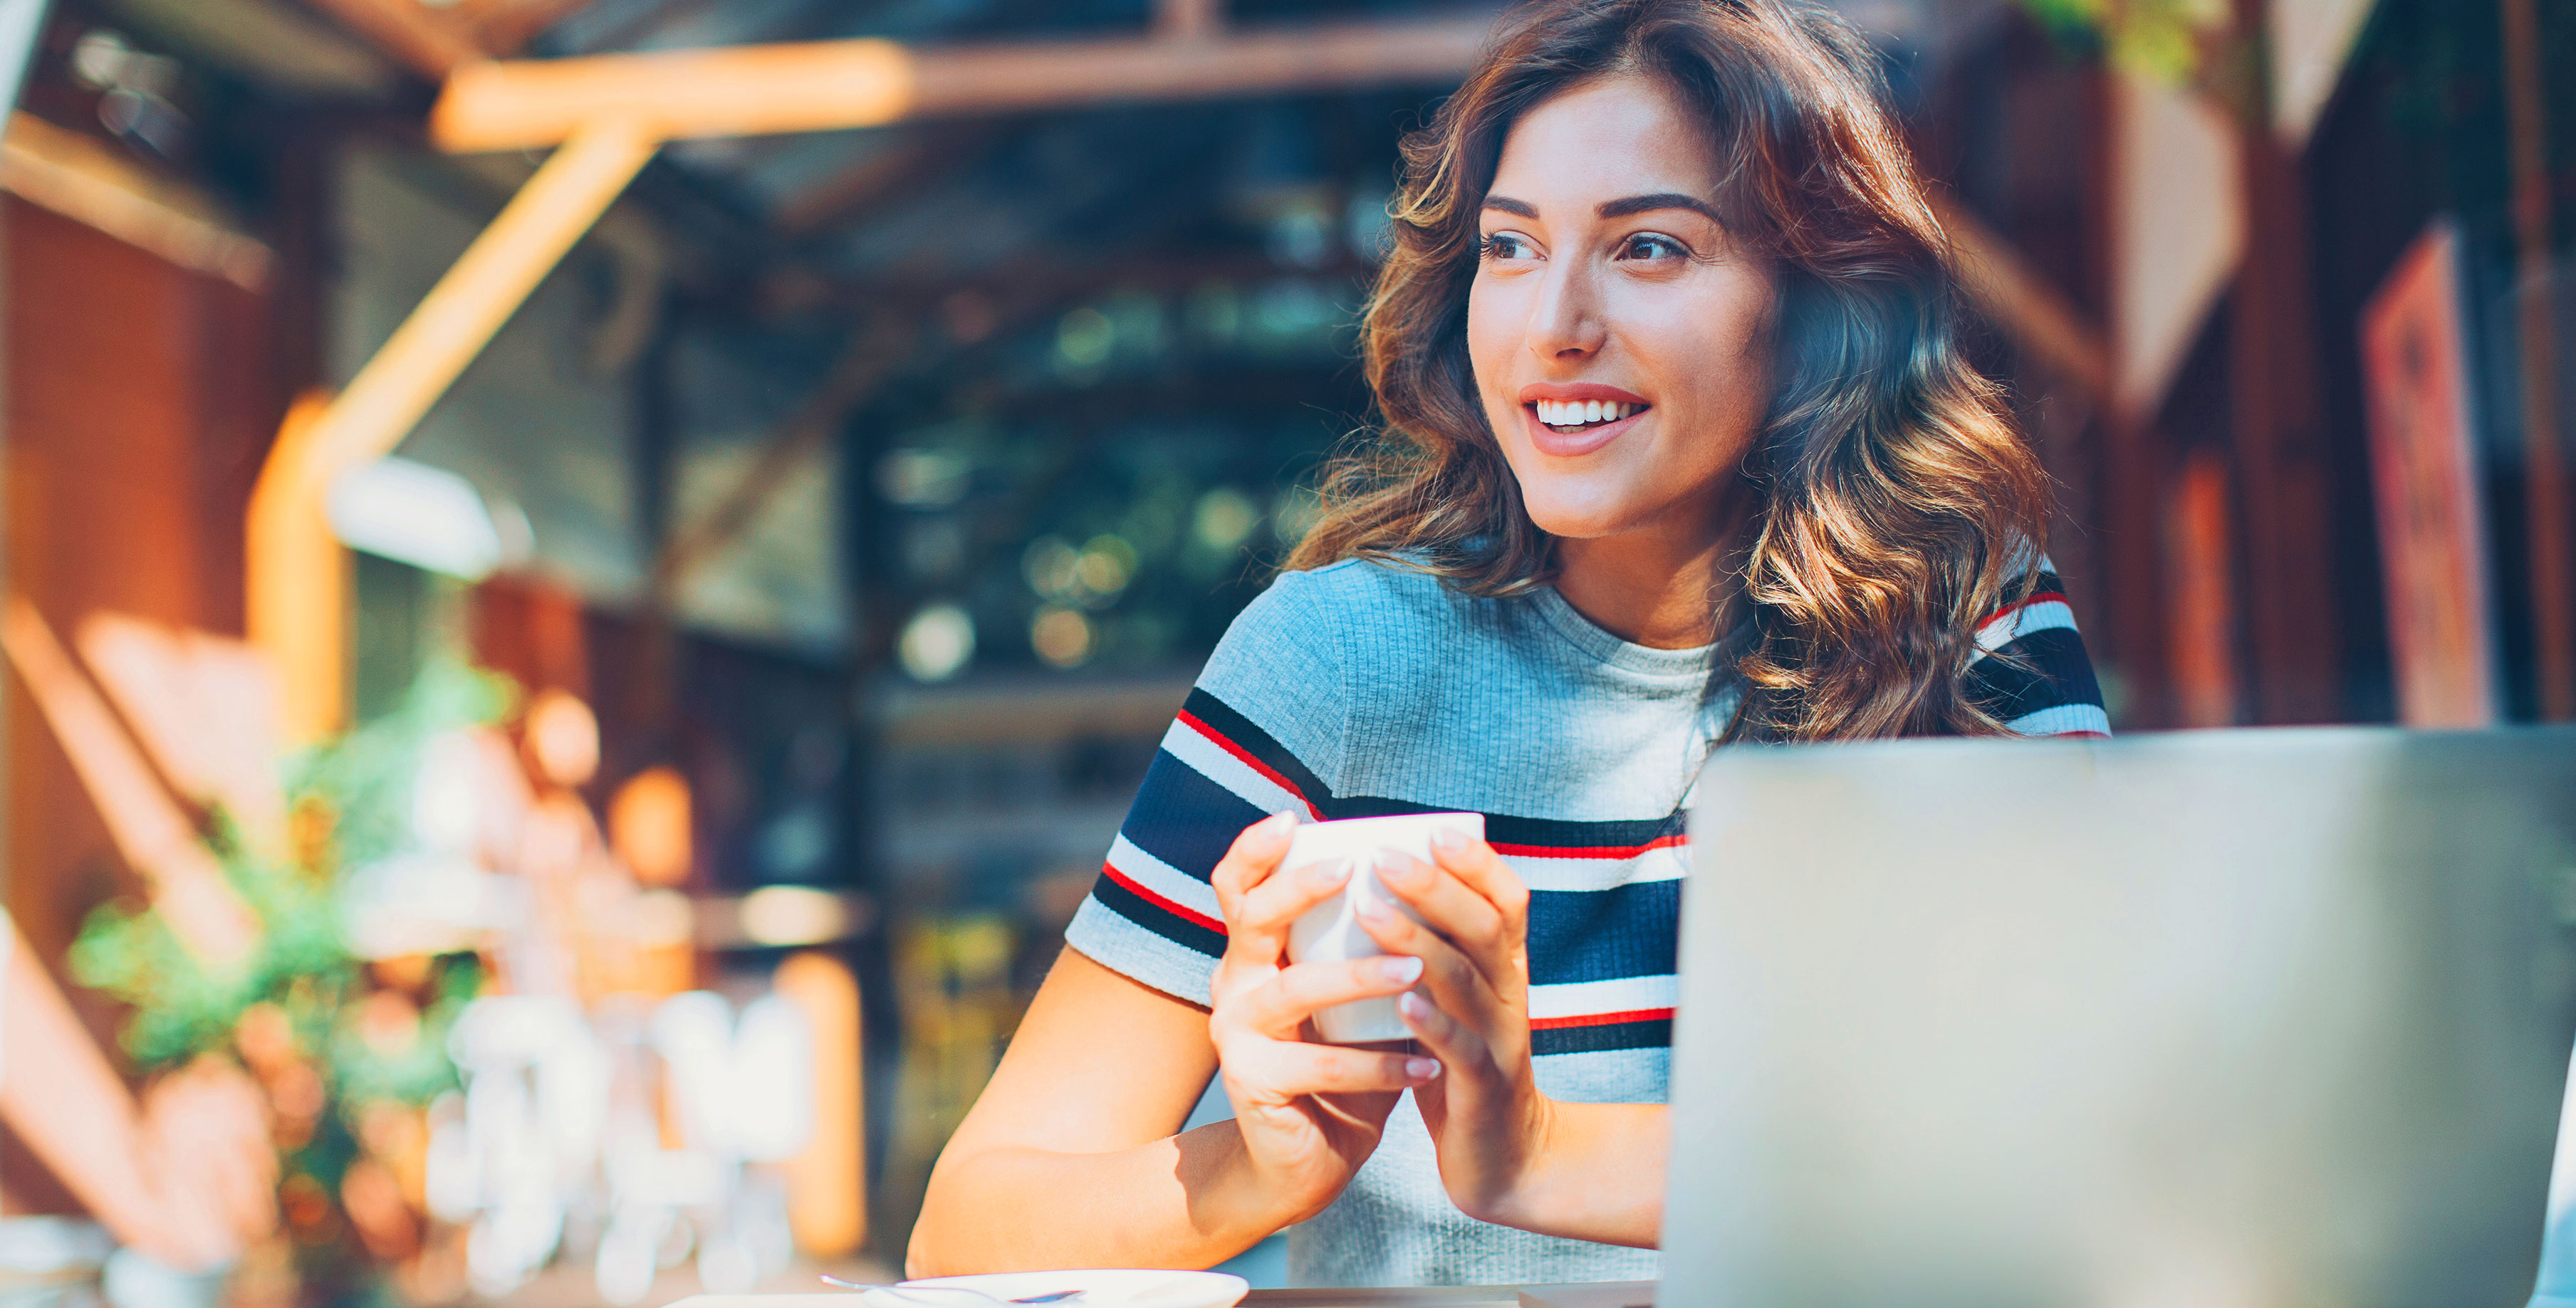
x=1608, y=647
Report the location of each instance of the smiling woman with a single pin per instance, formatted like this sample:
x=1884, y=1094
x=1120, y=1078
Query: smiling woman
x=1678, y=449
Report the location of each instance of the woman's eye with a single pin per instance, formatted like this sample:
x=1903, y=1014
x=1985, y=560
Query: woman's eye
x=1504, y=245
x=1648, y=246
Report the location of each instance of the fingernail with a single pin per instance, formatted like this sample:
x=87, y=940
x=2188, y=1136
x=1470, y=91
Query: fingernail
x=1398, y=867
x=1422, y=1069
x=1413, y=1005
x=1330, y=872
x=1448, y=840
x=1370, y=910
x=1400, y=968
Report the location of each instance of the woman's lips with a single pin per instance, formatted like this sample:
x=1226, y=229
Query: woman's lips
x=1566, y=445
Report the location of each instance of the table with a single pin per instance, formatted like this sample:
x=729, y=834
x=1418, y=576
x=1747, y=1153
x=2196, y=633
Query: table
x=1444, y=1296
x=1624, y=1294
x=1621, y=1294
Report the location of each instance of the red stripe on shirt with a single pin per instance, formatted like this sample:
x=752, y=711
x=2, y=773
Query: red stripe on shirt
x=1186, y=914
x=2043, y=597
x=1244, y=756
x=1674, y=841
x=1602, y=1019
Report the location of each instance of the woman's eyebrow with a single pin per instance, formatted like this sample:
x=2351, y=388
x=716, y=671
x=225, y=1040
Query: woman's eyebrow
x=1659, y=200
x=1520, y=208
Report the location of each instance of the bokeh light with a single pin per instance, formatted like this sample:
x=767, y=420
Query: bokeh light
x=937, y=643
x=1062, y=636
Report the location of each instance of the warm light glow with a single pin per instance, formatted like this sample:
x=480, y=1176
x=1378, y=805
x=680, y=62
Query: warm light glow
x=648, y=826
x=1061, y=636
x=793, y=915
x=563, y=739
x=412, y=513
x=665, y=919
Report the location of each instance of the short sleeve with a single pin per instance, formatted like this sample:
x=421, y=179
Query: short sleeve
x=1261, y=732
x=2031, y=671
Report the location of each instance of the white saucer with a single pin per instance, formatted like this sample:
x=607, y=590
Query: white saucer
x=1101, y=1288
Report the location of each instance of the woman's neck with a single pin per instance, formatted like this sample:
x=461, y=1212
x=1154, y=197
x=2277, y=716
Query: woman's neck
x=1651, y=588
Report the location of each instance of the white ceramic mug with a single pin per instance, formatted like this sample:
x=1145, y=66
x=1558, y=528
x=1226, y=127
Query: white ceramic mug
x=1331, y=930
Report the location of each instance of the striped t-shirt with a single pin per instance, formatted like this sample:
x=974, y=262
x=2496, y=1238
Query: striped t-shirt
x=1360, y=689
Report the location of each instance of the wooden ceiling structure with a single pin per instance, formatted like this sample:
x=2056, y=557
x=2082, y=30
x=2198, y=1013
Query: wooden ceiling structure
x=605, y=117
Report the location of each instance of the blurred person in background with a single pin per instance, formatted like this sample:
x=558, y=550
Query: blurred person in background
x=185, y=1178
x=1679, y=449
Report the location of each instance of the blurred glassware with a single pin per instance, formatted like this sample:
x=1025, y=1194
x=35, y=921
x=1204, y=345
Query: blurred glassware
x=51, y=1262
x=136, y=1280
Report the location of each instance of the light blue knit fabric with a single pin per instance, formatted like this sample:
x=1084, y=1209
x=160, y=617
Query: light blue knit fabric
x=1388, y=686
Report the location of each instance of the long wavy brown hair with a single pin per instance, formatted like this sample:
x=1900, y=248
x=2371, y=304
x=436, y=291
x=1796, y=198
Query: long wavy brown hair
x=1897, y=507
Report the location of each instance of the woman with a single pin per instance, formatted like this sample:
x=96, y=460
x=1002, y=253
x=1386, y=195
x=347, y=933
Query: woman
x=1678, y=449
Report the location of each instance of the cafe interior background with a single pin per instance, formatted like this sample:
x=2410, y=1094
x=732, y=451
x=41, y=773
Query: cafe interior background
x=610, y=753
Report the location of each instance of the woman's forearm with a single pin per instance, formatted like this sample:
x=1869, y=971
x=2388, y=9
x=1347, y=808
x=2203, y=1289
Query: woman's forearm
x=1598, y=1175
x=1187, y=1201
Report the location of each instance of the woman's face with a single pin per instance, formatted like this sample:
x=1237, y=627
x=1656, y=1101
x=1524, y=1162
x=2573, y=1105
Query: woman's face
x=1620, y=337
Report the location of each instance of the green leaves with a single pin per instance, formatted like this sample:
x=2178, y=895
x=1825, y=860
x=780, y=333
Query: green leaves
x=2168, y=40
x=353, y=796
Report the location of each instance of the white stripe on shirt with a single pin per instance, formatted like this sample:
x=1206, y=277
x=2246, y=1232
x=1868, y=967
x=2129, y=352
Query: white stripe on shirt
x=1669, y=863
x=2059, y=719
x=1213, y=761
x=1162, y=878
x=1625, y=994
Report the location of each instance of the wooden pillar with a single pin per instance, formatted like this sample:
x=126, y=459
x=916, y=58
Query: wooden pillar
x=297, y=581
x=2278, y=413
x=2129, y=472
x=2544, y=466
x=827, y=1182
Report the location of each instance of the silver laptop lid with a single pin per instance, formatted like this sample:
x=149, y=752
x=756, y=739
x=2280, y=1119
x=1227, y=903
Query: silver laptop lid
x=2221, y=1019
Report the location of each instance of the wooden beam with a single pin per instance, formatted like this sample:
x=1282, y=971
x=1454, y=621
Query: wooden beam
x=297, y=574
x=2040, y=318
x=424, y=41
x=828, y=85
x=899, y=168
x=2544, y=465
x=870, y=356
x=504, y=27
x=490, y=280
x=98, y=186
x=151, y=834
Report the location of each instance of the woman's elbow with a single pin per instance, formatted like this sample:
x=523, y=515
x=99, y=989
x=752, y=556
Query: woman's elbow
x=933, y=1249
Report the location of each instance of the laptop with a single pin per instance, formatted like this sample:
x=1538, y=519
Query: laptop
x=2219, y=1019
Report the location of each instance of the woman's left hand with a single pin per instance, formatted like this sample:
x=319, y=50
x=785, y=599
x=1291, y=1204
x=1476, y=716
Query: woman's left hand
x=1486, y=1115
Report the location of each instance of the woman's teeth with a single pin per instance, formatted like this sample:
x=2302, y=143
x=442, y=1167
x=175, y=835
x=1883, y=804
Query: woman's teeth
x=1582, y=413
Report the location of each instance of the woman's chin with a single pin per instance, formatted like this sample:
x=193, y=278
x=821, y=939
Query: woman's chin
x=1583, y=521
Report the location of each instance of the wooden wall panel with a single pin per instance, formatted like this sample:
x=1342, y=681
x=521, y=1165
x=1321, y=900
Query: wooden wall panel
x=140, y=399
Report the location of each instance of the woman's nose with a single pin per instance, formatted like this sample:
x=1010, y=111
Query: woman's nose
x=1565, y=322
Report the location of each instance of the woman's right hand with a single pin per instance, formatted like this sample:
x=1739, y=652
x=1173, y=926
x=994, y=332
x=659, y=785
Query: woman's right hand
x=1309, y=1113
